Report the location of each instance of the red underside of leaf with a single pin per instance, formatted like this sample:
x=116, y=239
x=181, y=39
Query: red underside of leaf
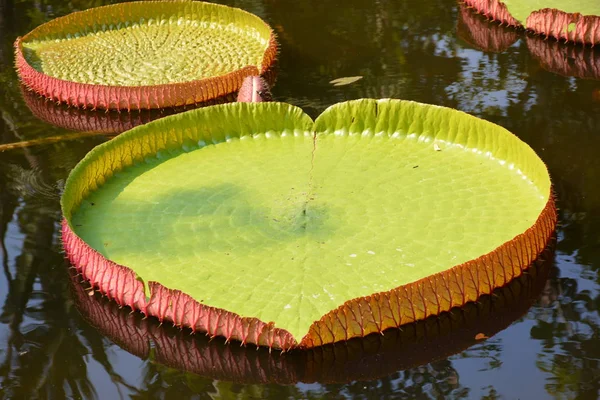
x=494, y=9
x=479, y=33
x=552, y=22
x=254, y=90
x=368, y=358
x=548, y=21
x=136, y=97
x=581, y=62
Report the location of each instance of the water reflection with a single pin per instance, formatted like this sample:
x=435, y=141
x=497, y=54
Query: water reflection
x=111, y=122
x=568, y=331
x=107, y=123
x=38, y=330
x=404, y=49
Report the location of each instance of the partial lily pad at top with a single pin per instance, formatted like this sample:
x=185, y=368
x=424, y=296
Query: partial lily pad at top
x=577, y=21
x=252, y=222
x=559, y=58
x=145, y=54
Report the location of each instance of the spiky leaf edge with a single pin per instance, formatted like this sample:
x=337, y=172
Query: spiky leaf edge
x=365, y=359
x=108, y=97
x=547, y=21
x=356, y=317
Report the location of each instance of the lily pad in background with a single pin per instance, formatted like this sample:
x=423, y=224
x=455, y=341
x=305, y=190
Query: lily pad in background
x=577, y=21
x=559, y=58
x=147, y=54
x=252, y=222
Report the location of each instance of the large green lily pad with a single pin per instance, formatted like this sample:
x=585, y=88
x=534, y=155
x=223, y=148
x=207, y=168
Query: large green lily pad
x=145, y=54
x=257, y=210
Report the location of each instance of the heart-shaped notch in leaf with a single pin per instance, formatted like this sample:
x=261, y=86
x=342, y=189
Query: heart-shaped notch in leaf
x=575, y=21
x=145, y=54
x=252, y=222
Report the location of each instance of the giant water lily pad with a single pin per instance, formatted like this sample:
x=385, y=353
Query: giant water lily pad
x=252, y=222
x=145, y=54
x=577, y=21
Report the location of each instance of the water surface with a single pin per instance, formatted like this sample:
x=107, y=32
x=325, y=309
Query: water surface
x=403, y=49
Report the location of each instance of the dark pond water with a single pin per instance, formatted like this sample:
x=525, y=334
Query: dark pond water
x=544, y=329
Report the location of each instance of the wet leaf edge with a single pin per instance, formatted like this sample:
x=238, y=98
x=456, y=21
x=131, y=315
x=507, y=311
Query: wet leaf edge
x=547, y=21
x=357, y=317
x=107, y=97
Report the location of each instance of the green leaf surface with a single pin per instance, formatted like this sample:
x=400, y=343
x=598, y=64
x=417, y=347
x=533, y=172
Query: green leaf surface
x=148, y=43
x=521, y=9
x=255, y=209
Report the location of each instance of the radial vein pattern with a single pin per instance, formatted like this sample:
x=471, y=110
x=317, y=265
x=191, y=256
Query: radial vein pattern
x=148, y=53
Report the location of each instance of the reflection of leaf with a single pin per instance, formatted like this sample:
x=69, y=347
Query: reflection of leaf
x=345, y=80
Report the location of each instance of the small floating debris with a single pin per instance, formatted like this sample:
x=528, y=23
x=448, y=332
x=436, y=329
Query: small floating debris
x=345, y=80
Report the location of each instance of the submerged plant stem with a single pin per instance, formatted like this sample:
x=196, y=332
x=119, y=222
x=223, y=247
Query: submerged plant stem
x=47, y=140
